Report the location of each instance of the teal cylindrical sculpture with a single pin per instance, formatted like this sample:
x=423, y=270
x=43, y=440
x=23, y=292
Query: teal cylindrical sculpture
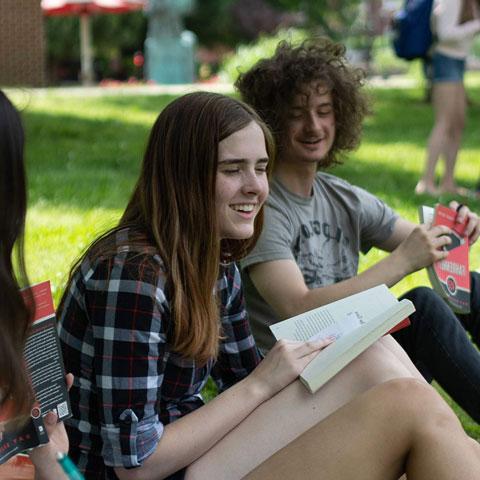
x=169, y=50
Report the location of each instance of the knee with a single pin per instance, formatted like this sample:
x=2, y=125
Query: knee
x=421, y=294
x=454, y=124
x=410, y=392
x=428, y=304
x=376, y=365
x=414, y=399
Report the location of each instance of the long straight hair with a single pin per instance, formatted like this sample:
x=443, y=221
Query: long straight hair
x=173, y=207
x=14, y=315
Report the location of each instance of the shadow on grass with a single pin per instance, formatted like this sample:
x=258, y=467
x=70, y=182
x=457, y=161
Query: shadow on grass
x=90, y=163
x=82, y=163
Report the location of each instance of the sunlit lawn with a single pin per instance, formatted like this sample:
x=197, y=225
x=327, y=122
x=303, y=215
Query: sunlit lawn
x=84, y=155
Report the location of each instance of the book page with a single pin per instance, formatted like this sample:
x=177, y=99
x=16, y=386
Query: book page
x=336, y=318
x=337, y=329
x=333, y=358
x=426, y=215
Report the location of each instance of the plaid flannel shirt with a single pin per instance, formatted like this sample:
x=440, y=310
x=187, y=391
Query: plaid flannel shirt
x=113, y=327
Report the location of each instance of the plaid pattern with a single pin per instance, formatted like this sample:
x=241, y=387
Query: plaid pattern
x=114, y=325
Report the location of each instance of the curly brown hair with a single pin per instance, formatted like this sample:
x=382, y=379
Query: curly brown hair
x=271, y=84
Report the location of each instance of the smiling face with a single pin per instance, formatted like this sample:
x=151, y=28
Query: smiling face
x=310, y=126
x=241, y=184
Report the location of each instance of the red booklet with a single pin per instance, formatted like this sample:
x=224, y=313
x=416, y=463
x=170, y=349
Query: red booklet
x=44, y=363
x=450, y=277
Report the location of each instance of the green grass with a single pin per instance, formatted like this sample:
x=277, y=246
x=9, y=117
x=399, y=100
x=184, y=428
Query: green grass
x=84, y=154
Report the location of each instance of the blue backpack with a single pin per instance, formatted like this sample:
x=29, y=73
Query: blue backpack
x=412, y=35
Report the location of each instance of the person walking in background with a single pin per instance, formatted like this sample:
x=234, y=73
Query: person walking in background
x=455, y=24
x=16, y=395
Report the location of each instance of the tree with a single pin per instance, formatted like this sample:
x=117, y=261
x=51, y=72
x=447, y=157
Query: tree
x=229, y=22
x=329, y=17
x=114, y=37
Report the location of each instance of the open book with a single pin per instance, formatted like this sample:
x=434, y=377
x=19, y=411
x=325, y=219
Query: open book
x=450, y=277
x=356, y=322
x=44, y=362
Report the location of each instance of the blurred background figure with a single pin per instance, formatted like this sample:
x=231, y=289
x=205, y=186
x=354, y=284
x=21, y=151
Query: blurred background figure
x=455, y=23
x=169, y=49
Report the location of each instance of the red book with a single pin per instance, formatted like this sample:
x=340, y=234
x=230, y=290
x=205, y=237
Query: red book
x=450, y=277
x=44, y=363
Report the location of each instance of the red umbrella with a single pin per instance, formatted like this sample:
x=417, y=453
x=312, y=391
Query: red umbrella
x=85, y=8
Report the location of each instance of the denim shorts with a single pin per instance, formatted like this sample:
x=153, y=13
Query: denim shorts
x=447, y=69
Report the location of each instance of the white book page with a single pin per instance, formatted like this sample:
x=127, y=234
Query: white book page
x=337, y=318
x=347, y=324
x=340, y=353
x=427, y=214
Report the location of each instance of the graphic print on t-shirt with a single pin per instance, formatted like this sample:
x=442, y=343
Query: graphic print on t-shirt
x=322, y=252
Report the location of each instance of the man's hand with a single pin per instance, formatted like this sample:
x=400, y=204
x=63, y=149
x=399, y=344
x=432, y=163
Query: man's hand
x=472, y=229
x=423, y=247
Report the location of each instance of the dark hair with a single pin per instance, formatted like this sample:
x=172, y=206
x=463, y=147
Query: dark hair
x=270, y=85
x=173, y=207
x=14, y=315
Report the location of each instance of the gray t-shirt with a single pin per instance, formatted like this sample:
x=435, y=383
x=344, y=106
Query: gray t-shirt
x=323, y=234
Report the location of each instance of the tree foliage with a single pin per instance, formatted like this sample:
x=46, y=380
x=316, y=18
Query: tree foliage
x=225, y=23
x=233, y=21
x=330, y=17
x=212, y=23
x=113, y=37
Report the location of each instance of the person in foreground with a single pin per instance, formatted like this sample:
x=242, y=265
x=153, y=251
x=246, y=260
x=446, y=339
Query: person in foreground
x=155, y=306
x=316, y=223
x=16, y=396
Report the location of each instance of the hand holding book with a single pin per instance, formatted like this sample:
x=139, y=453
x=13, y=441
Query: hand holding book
x=469, y=218
x=45, y=456
x=357, y=321
x=423, y=247
x=44, y=363
x=285, y=362
x=450, y=275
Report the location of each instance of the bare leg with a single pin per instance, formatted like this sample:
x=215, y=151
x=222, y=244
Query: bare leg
x=454, y=140
x=291, y=412
x=394, y=347
x=445, y=136
x=402, y=425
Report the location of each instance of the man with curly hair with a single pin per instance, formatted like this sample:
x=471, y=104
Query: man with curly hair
x=316, y=223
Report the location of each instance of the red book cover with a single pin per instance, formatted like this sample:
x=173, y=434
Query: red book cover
x=452, y=274
x=44, y=363
x=403, y=324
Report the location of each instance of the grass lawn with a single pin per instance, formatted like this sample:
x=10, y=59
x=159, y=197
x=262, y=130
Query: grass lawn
x=84, y=153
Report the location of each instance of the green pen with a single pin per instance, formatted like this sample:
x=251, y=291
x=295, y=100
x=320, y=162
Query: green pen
x=69, y=467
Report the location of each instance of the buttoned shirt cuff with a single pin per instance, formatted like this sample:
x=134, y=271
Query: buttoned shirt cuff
x=130, y=442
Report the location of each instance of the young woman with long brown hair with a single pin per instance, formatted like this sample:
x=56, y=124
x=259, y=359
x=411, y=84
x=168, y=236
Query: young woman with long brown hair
x=155, y=306
x=16, y=398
